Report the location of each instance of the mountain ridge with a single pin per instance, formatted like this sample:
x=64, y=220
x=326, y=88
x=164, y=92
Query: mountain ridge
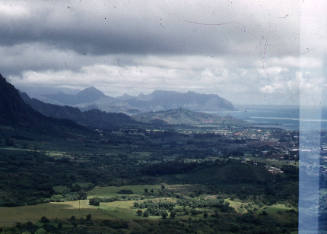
x=16, y=113
x=181, y=116
x=155, y=101
x=91, y=118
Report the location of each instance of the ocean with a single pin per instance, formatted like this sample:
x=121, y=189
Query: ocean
x=286, y=117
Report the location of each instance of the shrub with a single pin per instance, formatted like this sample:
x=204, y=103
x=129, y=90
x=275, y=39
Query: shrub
x=44, y=220
x=164, y=214
x=172, y=214
x=125, y=191
x=94, y=202
x=139, y=212
x=146, y=214
x=41, y=231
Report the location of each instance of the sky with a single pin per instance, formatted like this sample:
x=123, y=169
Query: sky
x=247, y=51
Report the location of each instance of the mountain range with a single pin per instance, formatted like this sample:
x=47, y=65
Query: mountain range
x=92, y=118
x=87, y=95
x=183, y=116
x=20, y=111
x=158, y=100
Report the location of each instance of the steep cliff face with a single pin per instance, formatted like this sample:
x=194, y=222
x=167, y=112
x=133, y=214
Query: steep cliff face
x=16, y=113
x=13, y=110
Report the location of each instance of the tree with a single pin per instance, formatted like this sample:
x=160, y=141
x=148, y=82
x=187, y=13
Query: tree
x=194, y=212
x=164, y=214
x=139, y=212
x=146, y=214
x=76, y=188
x=81, y=196
x=41, y=231
x=44, y=219
x=72, y=219
x=125, y=191
x=9, y=142
x=94, y=202
x=89, y=217
x=172, y=214
x=264, y=213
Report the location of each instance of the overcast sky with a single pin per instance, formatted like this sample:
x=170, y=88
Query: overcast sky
x=249, y=52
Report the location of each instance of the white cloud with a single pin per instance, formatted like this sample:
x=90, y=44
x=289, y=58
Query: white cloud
x=15, y=9
x=293, y=62
x=238, y=84
x=272, y=71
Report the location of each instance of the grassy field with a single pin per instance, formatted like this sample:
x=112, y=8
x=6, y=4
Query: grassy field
x=63, y=210
x=122, y=209
x=274, y=209
x=11, y=215
x=110, y=191
x=107, y=210
x=238, y=206
x=48, y=153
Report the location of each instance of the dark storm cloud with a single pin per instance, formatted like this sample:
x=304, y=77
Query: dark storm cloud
x=144, y=27
x=106, y=40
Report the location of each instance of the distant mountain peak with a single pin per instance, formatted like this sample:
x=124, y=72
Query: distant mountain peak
x=92, y=91
x=87, y=95
x=166, y=99
x=125, y=96
x=160, y=91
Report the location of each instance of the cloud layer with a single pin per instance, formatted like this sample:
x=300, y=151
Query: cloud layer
x=246, y=51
